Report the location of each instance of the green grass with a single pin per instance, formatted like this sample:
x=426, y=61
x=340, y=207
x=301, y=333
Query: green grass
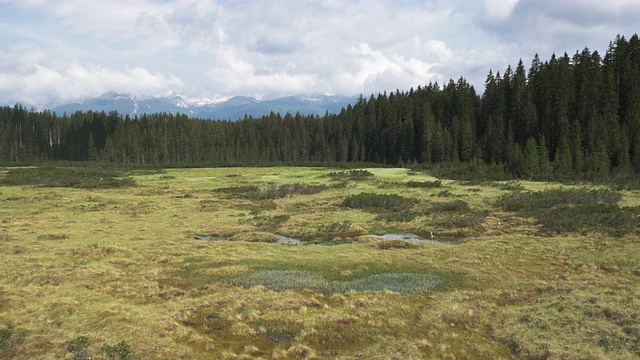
x=545, y=270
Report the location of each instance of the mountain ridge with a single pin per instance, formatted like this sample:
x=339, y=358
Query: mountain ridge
x=232, y=108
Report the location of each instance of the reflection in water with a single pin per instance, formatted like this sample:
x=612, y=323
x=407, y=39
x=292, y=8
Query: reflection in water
x=413, y=238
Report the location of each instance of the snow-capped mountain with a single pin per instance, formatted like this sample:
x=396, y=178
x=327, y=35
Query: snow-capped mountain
x=210, y=106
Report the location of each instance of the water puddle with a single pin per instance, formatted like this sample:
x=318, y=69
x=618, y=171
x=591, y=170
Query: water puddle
x=334, y=242
x=287, y=240
x=413, y=238
x=209, y=238
x=211, y=318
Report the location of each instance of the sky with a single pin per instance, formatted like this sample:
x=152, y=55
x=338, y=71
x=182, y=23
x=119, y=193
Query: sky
x=53, y=52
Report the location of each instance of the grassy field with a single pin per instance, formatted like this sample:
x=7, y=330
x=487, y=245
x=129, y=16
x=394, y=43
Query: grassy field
x=187, y=264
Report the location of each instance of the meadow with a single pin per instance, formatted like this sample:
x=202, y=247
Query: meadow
x=293, y=263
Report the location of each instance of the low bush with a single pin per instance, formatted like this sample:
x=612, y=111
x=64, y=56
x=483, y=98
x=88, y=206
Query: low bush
x=78, y=347
x=5, y=337
x=276, y=192
x=518, y=201
x=120, y=351
x=574, y=210
x=452, y=206
x=67, y=177
x=391, y=202
x=351, y=174
x=445, y=193
x=402, y=216
x=474, y=171
x=239, y=191
x=511, y=185
x=588, y=218
x=9, y=336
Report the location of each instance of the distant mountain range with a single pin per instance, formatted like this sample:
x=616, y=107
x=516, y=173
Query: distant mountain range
x=209, y=108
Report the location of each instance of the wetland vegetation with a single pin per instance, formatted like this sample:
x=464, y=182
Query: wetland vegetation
x=443, y=246
x=191, y=263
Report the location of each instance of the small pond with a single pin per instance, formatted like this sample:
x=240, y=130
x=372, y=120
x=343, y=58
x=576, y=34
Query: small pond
x=415, y=239
x=391, y=236
x=214, y=238
x=287, y=240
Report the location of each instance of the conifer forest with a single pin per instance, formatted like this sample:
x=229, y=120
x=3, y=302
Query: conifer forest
x=571, y=116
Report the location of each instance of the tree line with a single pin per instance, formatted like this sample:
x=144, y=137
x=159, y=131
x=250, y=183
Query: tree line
x=569, y=116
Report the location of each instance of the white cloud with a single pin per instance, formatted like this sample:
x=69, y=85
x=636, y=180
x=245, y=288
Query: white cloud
x=440, y=50
x=239, y=76
x=58, y=50
x=39, y=85
x=373, y=71
x=499, y=9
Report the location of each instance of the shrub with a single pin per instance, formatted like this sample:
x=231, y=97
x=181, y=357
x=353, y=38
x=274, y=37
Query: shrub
x=474, y=171
x=511, y=185
x=9, y=337
x=67, y=177
x=574, y=210
x=547, y=199
x=120, y=351
x=351, y=174
x=587, y=218
x=275, y=192
x=452, y=206
x=391, y=202
x=239, y=191
x=5, y=337
x=78, y=347
x=403, y=216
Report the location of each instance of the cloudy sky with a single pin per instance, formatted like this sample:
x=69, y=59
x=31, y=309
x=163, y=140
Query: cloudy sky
x=58, y=51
